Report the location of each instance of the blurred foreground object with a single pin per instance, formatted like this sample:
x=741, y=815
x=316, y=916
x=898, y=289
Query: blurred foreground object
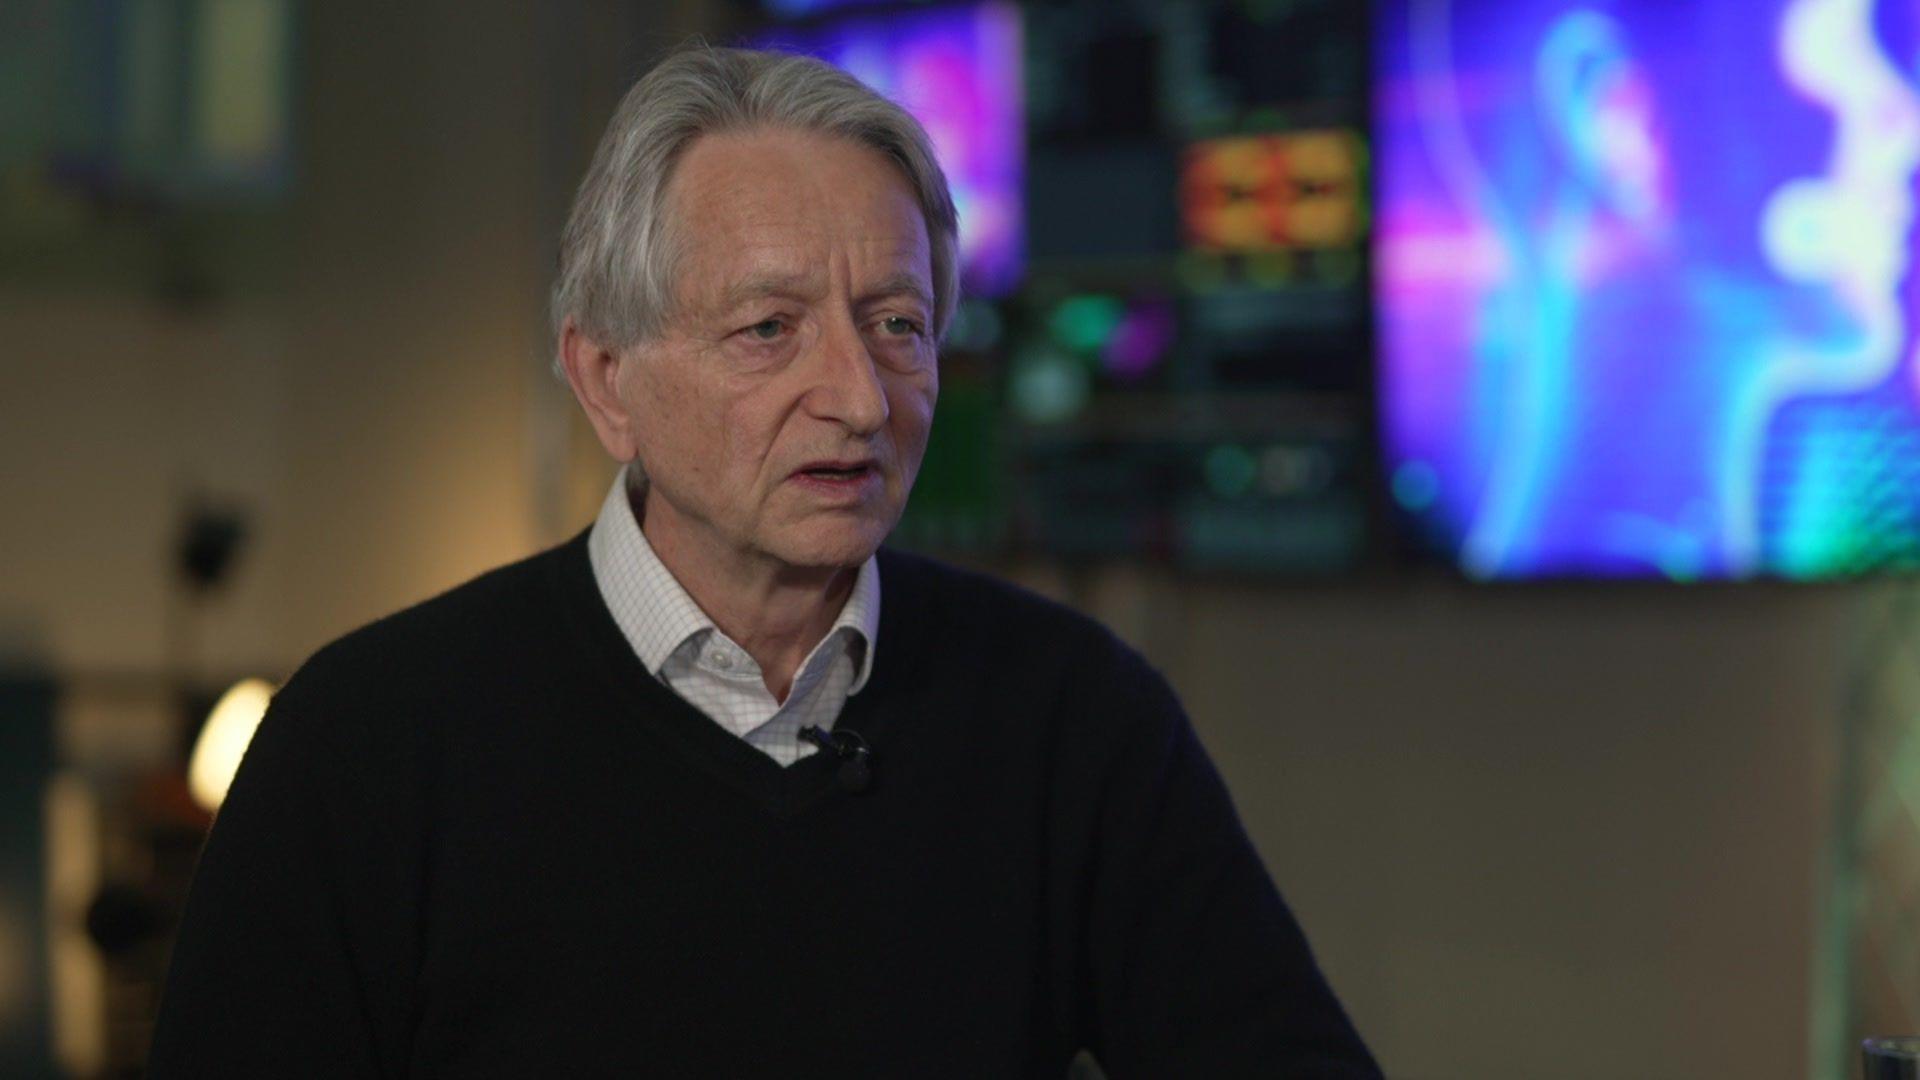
x=26, y=753
x=1890, y=1059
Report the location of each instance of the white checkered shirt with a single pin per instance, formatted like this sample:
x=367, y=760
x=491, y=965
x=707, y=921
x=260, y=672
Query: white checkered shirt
x=682, y=647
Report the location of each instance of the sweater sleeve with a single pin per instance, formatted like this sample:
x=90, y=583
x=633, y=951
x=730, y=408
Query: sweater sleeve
x=292, y=955
x=1198, y=967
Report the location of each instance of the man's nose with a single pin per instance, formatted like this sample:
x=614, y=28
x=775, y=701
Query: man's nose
x=846, y=383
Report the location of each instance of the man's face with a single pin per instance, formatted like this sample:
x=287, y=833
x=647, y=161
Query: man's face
x=783, y=412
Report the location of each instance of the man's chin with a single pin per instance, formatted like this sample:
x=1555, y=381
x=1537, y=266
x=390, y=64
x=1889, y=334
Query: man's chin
x=831, y=545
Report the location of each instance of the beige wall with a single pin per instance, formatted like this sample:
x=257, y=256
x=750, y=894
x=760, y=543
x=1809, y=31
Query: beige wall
x=112, y=410
x=1562, y=832
x=374, y=397
x=1565, y=832
x=415, y=302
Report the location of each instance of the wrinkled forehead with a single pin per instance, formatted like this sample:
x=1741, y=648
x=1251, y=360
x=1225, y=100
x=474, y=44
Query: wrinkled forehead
x=758, y=208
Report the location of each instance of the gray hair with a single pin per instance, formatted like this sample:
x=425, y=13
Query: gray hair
x=618, y=252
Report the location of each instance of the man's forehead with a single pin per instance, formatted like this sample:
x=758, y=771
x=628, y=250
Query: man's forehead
x=751, y=258
x=775, y=202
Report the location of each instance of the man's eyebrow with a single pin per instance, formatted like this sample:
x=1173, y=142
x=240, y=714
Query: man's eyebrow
x=799, y=285
x=901, y=284
x=760, y=286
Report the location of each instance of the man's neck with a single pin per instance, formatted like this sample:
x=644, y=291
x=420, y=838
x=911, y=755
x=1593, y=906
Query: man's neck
x=776, y=612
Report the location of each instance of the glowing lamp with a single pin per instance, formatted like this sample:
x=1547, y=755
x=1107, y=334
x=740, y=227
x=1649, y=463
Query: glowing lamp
x=223, y=740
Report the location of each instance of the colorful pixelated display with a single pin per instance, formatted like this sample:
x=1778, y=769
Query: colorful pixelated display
x=1274, y=192
x=1645, y=284
x=958, y=71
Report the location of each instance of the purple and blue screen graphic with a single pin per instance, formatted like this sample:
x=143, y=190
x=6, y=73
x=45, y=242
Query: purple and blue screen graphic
x=1646, y=294
x=958, y=71
x=799, y=8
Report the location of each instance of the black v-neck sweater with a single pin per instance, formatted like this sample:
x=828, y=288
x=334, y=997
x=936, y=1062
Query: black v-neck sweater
x=477, y=838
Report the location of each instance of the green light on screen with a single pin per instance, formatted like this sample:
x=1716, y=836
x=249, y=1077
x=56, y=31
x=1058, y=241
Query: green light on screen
x=1230, y=471
x=1084, y=323
x=1049, y=387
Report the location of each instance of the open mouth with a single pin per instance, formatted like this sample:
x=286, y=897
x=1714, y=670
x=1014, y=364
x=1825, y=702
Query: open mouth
x=838, y=475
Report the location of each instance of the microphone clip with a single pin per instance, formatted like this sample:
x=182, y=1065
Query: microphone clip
x=856, y=758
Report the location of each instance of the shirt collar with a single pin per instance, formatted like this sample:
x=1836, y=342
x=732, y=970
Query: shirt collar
x=656, y=615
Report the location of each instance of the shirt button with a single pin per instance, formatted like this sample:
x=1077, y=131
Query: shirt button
x=720, y=660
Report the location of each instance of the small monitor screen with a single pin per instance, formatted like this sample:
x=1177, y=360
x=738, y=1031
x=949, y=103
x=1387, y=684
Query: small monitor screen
x=1646, y=304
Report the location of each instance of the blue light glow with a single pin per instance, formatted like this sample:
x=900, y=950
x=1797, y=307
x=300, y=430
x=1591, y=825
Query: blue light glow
x=1644, y=272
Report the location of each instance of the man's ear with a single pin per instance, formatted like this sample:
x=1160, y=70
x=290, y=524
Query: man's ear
x=593, y=370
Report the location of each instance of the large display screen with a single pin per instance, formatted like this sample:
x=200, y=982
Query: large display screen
x=1644, y=282
x=958, y=71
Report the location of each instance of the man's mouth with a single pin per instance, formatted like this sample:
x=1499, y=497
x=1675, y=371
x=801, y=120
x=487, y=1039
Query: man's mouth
x=835, y=470
x=848, y=473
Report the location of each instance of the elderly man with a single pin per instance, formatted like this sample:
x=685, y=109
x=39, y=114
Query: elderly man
x=719, y=788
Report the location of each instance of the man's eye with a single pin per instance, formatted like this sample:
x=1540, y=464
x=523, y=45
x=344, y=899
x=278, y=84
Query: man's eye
x=899, y=325
x=767, y=329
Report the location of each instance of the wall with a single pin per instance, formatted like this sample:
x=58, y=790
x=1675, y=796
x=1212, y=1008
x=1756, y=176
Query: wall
x=1561, y=832
x=115, y=410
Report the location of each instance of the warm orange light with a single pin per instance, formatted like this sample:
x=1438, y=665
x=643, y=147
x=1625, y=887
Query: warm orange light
x=223, y=741
x=1263, y=193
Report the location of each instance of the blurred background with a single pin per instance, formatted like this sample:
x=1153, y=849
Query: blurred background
x=1497, y=417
